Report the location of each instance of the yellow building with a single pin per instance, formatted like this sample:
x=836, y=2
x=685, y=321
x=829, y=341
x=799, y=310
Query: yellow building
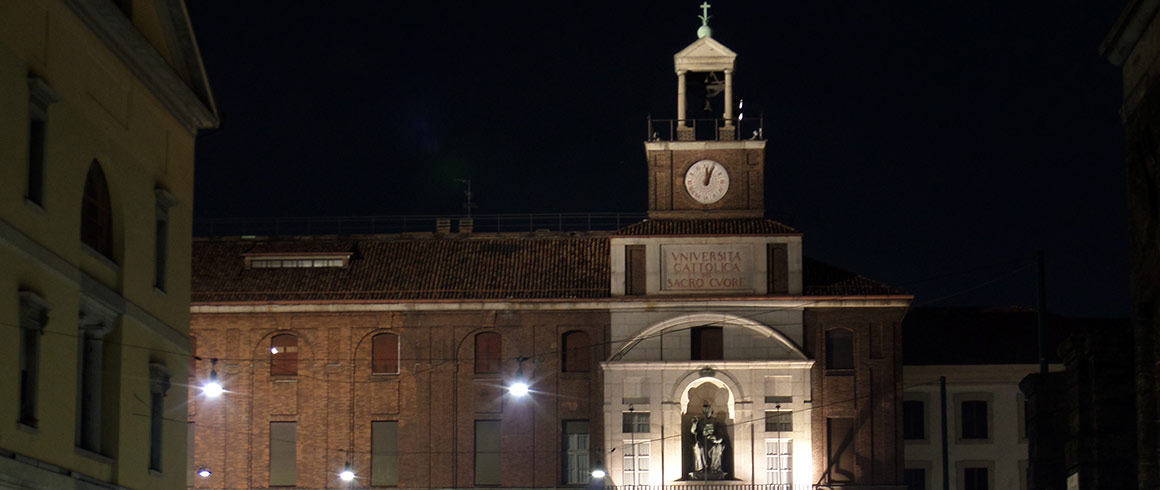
x=100, y=103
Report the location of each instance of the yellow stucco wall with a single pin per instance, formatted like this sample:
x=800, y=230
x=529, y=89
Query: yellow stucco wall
x=104, y=113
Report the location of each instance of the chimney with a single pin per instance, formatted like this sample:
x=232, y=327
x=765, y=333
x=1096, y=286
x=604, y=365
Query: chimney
x=442, y=225
x=466, y=225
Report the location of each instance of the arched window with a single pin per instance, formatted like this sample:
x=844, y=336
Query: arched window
x=284, y=355
x=487, y=351
x=385, y=354
x=839, y=349
x=576, y=353
x=96, y=212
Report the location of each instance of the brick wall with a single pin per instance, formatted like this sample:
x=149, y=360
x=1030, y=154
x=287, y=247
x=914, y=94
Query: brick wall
x=436, y=397
x=870, y=393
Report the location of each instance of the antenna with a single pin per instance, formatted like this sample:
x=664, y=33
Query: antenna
x=469, y=205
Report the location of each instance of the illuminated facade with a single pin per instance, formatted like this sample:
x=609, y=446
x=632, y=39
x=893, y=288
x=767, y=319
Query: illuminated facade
x=102, y=102
x=696, y=347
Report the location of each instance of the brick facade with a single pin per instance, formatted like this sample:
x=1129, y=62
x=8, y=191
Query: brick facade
x=435, y=397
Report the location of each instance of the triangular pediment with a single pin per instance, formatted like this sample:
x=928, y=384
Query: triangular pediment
x=705, y=54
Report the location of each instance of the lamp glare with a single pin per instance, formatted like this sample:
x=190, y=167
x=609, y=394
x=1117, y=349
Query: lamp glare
x=204, y=473
x=346, y=475
x=213, y=389
x=519, y=388
x=598, y=473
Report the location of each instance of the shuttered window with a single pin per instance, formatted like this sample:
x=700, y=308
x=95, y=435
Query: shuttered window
x=385, y=453
x=284, y=355
x=487, y=452
x=488, y=346
x=839, y=349
x=840, y=448
x=634, y=270
x=283, y=454
x=385, y=354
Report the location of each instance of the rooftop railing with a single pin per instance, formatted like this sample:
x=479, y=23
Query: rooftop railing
x=697, y=485
x=370, y=225
x=706, y=129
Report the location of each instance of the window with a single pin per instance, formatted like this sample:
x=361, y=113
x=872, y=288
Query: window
x=487, y=352
x=33, y=319
x=97, y=213
x=487, y=452
x=296, y=261
x=165, y=200
x=283, y=454
x=385, y=354
x=974, y=419
x=158, y=387
x=95, y=394
x=385, y=453
x=778, y=421
x=40, y=96
x=576, y=452
x=913, y=420
x=284, y=355
x=576, y=352
x=779, y=463
x=707, y=343
x=840, y=448
x=635, y=271
x=915, y=478
x=777, y=262
x=635, y=422
x=839, y=349
x=636, y=463
x=976, y=478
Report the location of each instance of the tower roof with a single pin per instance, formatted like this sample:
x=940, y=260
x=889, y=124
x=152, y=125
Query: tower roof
x=705, y=54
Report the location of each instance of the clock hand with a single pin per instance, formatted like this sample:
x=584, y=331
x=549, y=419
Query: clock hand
x=708, y=174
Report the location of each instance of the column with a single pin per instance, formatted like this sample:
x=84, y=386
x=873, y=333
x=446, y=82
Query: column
x=681, y=98
x=728, y=98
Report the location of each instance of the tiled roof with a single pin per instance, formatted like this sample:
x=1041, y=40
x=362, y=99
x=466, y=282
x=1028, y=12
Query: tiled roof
x=401, y=268
x=428, y=267
x=739, y=226
x=822, y=279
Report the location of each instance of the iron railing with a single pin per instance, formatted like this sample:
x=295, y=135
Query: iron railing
x=697, y=485
x=369, y=225
x=706, y=129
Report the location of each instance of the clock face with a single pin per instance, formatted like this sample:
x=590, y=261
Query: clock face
x=707, y=181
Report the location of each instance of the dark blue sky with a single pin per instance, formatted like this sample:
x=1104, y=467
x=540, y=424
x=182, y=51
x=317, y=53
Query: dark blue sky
x=934, y=146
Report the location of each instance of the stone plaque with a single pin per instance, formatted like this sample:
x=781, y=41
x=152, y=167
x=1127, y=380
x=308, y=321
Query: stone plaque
x=698, y=268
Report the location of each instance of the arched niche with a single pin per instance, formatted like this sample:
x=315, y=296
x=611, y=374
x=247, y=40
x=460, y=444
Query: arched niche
x=707, y=418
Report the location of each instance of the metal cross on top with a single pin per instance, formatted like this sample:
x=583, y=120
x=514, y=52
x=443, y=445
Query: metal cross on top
x=705, y=13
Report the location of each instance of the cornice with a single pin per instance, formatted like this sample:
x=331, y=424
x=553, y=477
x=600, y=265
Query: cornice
x=121, y=38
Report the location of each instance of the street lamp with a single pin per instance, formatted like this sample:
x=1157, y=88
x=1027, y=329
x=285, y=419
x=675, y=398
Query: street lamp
x=347, y=473
x=519, y=387
x=213, y=388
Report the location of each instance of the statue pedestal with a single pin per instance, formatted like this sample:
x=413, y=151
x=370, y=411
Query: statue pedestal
x=707, y=475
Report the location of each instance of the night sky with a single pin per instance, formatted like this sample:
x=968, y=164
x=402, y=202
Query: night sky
x=934, y=146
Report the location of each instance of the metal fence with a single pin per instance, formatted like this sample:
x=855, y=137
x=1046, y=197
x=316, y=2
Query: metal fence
x=706, y=129
x=696, y=485
x=364, y=225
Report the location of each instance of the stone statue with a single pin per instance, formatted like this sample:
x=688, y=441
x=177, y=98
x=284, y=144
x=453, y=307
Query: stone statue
x=708, y=448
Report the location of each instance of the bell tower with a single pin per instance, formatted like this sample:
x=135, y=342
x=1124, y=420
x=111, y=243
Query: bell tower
x=708, y=162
